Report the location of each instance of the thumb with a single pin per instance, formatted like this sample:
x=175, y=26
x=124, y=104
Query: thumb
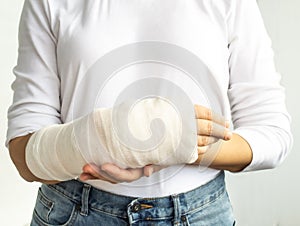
x=150, y=169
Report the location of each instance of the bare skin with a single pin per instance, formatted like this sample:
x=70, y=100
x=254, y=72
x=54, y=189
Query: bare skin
x=226, y=151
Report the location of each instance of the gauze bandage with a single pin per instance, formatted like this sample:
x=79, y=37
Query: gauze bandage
x=149, y=132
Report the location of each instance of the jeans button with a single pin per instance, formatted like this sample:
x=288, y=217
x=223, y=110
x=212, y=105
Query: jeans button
x=183, y=218
x=136, y=207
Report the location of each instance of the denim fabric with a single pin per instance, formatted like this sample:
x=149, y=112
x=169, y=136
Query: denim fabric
x=76, y=203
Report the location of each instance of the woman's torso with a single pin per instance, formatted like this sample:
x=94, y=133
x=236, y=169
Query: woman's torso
x=94, y=35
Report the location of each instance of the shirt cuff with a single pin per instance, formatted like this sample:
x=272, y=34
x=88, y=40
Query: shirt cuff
x=28, y=123
x=256, y=141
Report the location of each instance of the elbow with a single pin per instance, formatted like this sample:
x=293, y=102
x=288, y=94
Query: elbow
x=279, y=154
x=279, y=159
x=273, y=165
x=17, y=148
x=22, y=170
x=286, y=144
x=270, y=147
x=26, y=177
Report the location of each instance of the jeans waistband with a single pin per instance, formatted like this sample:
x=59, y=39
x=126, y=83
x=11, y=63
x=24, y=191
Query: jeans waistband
x=85, y=196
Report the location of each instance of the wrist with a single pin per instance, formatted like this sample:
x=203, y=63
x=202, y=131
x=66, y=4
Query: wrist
x=233, y=155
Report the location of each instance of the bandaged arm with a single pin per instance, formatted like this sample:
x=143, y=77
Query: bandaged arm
x=58, y=152
x=36, y=111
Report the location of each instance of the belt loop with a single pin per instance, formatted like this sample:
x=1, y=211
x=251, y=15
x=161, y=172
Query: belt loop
x=131, y=211
x=85, y=200
x=177, y=209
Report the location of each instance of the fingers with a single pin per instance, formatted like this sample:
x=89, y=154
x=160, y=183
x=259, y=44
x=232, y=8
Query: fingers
x=206, y=140
x=93, y=172
x=122, y=175
x=202, y=150
x=202, y=112
x=211, y=124
x=114, y=174
x=111, y=173
x=210, y=128
x=87, y=176
x=150, y=169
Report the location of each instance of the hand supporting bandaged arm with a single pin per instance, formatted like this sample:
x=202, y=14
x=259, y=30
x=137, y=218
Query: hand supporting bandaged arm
x=59, y=152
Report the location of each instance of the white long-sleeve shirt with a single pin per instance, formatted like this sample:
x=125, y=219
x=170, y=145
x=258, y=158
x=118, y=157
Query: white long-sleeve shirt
x=62, y=41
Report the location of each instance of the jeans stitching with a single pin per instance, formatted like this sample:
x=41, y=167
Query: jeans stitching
x=219, y=195
x=46, y=202
x=61, y=193
x=107, y=213
x=69, y=222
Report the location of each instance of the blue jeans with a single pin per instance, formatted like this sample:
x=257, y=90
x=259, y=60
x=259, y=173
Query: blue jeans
x=76, y=203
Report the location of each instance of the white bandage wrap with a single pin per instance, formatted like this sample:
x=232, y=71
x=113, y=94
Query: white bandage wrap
x=51, y=153
x=161, y=150
x=59, y=152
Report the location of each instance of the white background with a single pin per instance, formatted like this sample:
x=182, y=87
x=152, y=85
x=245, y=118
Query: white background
x=272, y=197
x=259, y=199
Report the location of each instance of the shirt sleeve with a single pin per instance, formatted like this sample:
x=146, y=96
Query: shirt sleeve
x=36, y=99
x=257, y=99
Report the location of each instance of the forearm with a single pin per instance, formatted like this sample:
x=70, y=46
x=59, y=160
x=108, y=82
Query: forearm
x=60, y=151
x=17, y=148
x=233, y=155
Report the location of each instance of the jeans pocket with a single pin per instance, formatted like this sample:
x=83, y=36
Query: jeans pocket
x=52, y=208
x=43, y=206
x=216, y=212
